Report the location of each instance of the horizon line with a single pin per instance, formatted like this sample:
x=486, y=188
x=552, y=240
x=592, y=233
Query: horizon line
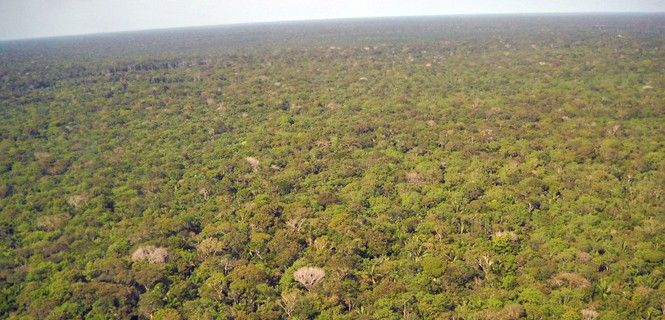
x=267, y=22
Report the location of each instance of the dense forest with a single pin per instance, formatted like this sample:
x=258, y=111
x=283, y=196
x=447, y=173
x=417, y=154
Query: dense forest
x=487, y=167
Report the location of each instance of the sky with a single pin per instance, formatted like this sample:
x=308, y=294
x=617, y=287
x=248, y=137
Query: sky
x=43, y=18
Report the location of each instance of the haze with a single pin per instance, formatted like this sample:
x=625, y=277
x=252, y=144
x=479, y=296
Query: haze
x=44, y=18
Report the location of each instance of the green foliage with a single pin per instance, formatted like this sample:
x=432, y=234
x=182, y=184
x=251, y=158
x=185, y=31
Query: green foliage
x=434, y=168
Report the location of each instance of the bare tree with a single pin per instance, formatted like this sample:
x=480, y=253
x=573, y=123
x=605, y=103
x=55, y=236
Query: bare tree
x=204, y=192
x=309, y=276
x=485, y=263
x=151, y=254
x=571, y=279
x=253, y=162
x=589, y=314
x=295, y=223
x=288, y=302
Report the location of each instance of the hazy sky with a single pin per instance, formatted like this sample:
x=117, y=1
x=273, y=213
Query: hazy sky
x=39, y=18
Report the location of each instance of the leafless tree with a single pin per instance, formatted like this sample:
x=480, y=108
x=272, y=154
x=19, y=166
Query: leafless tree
x=485, y=263
x=204, y=192
x=253, y=162
x=589, y=314
x=295, y=223
x=151, y=254
x=288, y=302
x=309, y=276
